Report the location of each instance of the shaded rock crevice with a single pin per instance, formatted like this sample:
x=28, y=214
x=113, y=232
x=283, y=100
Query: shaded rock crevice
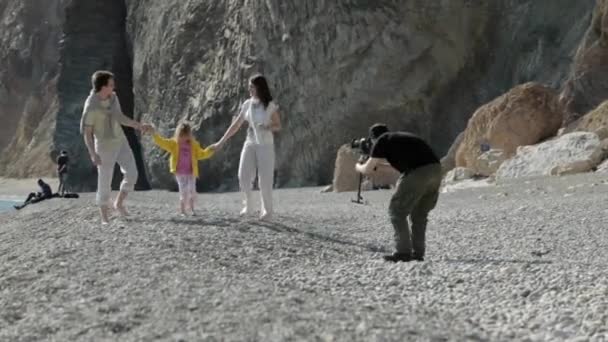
x=94, y=38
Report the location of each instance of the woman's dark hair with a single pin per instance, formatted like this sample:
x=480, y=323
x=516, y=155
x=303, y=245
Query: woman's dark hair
x=261, y=87
x=100, y=79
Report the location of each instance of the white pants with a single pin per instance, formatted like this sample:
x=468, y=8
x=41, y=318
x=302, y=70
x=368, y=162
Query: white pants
x=187, y=187
x=261, y=158
x=110, y=155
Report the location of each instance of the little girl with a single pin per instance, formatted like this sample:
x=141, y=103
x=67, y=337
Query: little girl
x=185, y=153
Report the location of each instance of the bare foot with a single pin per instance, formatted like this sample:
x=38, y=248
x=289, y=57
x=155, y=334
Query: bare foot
x=121, y=210
x=245, y=211
x=265, y=216
x=103, y=211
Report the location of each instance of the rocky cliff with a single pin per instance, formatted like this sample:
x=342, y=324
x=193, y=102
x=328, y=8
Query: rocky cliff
x=30, y=32
x=335, y=67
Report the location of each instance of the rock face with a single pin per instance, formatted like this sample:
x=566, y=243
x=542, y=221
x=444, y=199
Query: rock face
x=525, y=115
x=595, y=120
x=571, y=153
x=587, y=85
x=334, y=67
x=83, y=20
x=47, y=78
x=30, y=31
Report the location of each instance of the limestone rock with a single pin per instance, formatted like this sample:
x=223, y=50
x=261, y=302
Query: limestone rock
x=345, y=176
x=602, y=133
x=458, y=174
x=448, y=162
x=488, y=162
x=595, y=121
x=571, y=153
x=29, y=53
x=328, y=188
x=603, y=167
x=523, y=116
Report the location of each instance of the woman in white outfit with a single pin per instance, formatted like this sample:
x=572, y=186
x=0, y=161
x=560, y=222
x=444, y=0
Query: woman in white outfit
x=262, y=116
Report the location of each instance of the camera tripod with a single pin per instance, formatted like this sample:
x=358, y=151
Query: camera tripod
x=359, y=199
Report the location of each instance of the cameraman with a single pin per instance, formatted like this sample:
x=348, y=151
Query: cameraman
x=417, y=189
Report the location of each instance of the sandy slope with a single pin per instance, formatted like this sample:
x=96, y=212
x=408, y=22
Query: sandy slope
x=512, y=261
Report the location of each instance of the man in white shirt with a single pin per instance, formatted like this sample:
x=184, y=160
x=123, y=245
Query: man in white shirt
x=101, y=123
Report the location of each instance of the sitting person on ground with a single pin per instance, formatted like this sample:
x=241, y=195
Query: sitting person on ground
x=62, y=171
x=35, y=197
x=185, y=153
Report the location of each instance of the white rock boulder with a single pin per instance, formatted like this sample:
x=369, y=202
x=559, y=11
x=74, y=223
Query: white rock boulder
x=458, y=174
x=568, y=154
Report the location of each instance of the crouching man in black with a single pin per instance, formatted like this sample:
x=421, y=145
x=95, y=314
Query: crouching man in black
x=417, y=188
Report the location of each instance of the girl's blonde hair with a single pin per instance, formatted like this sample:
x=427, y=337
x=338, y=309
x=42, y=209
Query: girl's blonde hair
x=184, y=128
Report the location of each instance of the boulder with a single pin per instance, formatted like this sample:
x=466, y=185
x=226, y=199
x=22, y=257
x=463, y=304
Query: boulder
x=448, y=162
x=328, y=188
x=525, y=115
x=595, y=121
x=603, y=167
x=570, y=153
x=458, y=174
x=488, y=162
x=345, y=176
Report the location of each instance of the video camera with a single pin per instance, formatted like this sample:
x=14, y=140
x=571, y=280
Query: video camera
x=364, y=145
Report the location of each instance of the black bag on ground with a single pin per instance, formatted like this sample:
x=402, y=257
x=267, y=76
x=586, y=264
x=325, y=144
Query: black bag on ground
x=71, y=196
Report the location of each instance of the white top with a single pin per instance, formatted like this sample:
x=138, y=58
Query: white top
x=105, y=131
x=255, y=114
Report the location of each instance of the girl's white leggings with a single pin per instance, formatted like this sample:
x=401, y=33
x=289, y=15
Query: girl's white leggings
x=110, y=155
x=187, y=187
x=261, y=158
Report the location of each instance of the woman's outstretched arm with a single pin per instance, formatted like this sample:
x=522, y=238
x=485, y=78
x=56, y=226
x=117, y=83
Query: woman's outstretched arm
x=234, y=127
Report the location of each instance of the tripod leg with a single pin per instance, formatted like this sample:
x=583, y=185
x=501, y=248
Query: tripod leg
x=359, y=197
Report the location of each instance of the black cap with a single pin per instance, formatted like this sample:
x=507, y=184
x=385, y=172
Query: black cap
x=377, y=130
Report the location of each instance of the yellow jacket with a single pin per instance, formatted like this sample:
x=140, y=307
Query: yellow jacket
x=171, y=146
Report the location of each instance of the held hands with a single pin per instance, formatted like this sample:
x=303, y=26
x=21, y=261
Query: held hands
x=218, y=145
x=147, y=128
